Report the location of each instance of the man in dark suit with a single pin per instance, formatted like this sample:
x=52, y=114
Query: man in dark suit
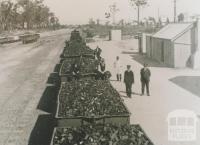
x=128, y=80
x=145, y=78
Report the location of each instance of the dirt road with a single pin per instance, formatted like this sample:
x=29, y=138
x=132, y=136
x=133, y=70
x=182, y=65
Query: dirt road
x=24, y=72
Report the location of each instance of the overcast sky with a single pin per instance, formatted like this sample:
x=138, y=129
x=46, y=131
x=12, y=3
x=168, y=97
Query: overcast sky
x=79, y=11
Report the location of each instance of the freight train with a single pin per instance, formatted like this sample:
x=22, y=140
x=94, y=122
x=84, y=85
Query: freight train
x=89, y=110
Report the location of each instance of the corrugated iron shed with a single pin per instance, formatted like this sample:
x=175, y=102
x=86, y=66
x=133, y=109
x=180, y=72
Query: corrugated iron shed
x=173, y=31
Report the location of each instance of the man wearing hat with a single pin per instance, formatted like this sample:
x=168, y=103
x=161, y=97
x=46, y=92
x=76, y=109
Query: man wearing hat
x=128, y=80
x=145, y=78
x=118, y=68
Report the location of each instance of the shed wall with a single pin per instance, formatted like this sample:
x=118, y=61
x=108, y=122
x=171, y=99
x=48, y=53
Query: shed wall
x=163, y=51
x=148, y=46
x=194, y=39
x=183, y=50
x=182, y=55
x=169, y=53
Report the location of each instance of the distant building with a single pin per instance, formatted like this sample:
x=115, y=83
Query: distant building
x=175, y=45
x=190, y=17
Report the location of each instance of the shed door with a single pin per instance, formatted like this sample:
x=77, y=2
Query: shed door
x=182, y=55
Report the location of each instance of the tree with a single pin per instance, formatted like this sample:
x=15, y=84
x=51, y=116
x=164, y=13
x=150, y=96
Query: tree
x=160, y=23
x=6, y=14
x=28, y=13
x=167, y=21
x=54, y=21
x=113, y=11
x=121, y=22
x=181, y=17
x=107, y=23
x=139, y=4
x=91, y=22
x=22, y=13
x=153, y=20
x=98, y=22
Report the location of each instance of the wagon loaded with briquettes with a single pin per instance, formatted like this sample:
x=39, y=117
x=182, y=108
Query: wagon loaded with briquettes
x=90, y=111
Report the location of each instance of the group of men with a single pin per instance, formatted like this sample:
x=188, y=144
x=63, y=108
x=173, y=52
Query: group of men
x=145, y=74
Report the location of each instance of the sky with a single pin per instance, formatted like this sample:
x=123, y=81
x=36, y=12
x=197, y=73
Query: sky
x=80, y=11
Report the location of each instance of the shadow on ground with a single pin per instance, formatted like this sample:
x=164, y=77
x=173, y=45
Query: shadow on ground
x=189, y=83
x=114, y=80
x=48, y=100
x=43, y=131
x=57, y=68
x=53, y=79
x=133, y=93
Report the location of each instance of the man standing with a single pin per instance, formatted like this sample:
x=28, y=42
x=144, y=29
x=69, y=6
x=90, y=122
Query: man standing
x=128, y=80
x=145, y=78
x=118, y=68
x=98, y=52
x=102, y=64
x=75, y=69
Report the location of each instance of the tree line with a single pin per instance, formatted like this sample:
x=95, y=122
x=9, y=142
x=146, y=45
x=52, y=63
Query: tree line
x=26, y=14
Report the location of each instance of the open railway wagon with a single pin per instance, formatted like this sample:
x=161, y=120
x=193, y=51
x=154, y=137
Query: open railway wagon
x=74, y=50
x=77, y=57
x=88, y=100
x=29, y=37
x=101, y=134
x=89, y=110
x=75, y=53
x=84, y=66
x=9, y=39
x=76, y=47
x=78, y=54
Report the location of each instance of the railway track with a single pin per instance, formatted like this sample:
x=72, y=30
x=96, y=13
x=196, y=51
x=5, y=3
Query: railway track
x=22, y=89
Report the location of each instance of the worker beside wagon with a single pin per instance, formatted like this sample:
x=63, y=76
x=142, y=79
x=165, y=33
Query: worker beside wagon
x=102, y=64
x=98, y=52
x=145, y=78
x=75, y=69
x=129, y=80
x=118, y=69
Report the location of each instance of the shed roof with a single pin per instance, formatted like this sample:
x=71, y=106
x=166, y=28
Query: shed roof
x=172, y=31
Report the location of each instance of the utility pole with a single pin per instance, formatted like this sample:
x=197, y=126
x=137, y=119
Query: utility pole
x=158, y=14
x=174, y=11
x=138, y=15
